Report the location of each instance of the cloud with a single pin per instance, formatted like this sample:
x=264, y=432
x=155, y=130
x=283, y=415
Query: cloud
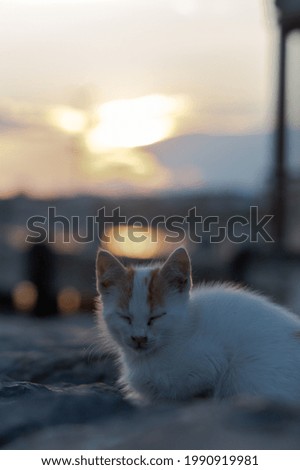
x=41, y=160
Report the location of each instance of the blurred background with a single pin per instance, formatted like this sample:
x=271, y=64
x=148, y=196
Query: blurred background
x=153, y=106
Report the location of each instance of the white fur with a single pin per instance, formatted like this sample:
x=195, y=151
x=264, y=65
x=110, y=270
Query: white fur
x=217, y=338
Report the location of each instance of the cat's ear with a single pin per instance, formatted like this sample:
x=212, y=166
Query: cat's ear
x=177, y=270
x=109, y=271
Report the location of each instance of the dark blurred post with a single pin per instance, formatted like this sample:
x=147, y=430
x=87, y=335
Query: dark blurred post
x=280, y=180
x=41, y=274
x=289, y=20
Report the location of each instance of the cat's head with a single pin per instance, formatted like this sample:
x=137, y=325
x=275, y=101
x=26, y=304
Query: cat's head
x=144, y=307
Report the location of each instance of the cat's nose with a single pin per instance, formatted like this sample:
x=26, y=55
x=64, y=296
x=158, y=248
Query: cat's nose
x=139, y=341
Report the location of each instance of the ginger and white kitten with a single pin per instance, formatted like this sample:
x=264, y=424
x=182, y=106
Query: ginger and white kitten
x=175, y=343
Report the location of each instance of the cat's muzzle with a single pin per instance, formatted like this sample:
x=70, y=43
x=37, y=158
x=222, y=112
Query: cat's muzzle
x=139, y=342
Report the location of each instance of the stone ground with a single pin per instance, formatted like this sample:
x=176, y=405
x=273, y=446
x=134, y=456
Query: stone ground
x=58, y=392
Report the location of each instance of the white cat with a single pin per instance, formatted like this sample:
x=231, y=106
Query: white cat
x=174, y=343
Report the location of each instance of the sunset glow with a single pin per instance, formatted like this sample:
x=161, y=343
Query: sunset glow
x=134, y=122
x=82, y=95
x=130, y=165
x=67, y=119
x=110, y=147
x=138, y=242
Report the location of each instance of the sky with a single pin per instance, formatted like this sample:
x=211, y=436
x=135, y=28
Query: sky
x=87, y=85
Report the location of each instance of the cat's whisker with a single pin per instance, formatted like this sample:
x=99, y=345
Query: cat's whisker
x=91, y=352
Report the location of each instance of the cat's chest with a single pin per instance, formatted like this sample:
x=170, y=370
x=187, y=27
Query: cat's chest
x=166, y=379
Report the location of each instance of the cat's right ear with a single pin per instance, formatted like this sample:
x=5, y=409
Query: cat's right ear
x=109, y=271
x=177, y=270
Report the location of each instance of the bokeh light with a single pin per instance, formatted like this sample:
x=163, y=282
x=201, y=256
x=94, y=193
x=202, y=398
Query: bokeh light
x=25, y=296
x=68, y=300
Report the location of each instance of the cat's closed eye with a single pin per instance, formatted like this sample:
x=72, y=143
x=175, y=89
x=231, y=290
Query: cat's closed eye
x=127, y=318
x=156, y=317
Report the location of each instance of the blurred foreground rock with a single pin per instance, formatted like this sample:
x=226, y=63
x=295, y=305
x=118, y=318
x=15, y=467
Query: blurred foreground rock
x=58, y=391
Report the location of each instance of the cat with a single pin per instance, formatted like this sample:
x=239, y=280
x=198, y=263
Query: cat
x=175, y=342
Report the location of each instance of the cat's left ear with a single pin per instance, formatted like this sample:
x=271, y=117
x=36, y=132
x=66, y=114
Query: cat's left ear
x=177, y=270
x=109, y=271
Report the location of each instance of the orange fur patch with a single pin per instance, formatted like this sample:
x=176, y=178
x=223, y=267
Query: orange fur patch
x=156, y=290
x=126, y=287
